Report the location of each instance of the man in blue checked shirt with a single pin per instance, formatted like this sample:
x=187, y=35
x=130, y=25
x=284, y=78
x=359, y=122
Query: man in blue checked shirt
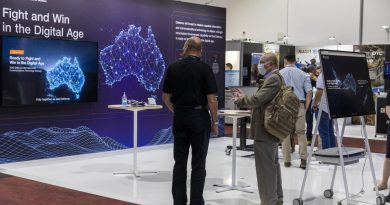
x=300, y=81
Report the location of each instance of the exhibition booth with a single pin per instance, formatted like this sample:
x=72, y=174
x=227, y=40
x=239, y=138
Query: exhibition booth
x=81, y=112
x=61, y=70
x=245, y=55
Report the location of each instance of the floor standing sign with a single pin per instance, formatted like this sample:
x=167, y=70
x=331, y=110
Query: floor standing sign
x=348, y=91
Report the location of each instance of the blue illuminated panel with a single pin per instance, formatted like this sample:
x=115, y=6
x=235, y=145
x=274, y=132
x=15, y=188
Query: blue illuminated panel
x=46, y=71
x=131, y=54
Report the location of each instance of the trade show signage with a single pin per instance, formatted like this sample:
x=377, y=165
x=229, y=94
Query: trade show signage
x=137, y=40
x=347, y=83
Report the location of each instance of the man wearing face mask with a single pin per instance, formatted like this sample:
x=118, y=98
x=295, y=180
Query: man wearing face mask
x=265, y=145
x=300, y=81
x=262, y=71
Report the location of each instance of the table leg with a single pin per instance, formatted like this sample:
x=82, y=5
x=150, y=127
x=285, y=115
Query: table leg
x=233, y=186
x=135, y=143
x=135, y=170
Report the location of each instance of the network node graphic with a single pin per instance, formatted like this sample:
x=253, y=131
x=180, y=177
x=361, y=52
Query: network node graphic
x=349, y=83
x=131, y=54
x=66, y=73
x=51, y=142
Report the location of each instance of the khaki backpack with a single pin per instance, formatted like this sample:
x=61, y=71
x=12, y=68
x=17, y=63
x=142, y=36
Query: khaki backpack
x=281, y=113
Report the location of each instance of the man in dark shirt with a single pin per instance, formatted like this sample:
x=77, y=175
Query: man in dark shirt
x=189, y=92
x=386, y=164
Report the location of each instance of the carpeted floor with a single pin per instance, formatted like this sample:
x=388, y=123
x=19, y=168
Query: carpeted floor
x=19, y=191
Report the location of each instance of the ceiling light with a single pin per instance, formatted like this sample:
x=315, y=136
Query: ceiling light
x=286, y=37
x=387, y=30
x=209, y=2
x=332, y=38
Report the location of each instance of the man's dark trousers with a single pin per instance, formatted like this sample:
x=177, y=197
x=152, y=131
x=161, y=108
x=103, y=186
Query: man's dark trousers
x=309, y=122
x=191, y=127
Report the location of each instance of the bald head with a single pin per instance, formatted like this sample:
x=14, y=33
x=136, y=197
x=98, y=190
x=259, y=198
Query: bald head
x=270, y=57
x=193, y=46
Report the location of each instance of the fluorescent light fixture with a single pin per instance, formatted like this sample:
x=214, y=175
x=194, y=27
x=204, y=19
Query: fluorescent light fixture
x=332, y=38
x=286, y=37
x=387, y=30
x=386, y=27
x=209, y=2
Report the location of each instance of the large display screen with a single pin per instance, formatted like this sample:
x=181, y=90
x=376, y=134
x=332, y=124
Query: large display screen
x=46, y=71
x=347, y=83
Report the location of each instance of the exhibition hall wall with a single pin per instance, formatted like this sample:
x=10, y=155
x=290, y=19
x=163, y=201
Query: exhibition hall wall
x=305, y=53
x=306, y=22
x=377, y=55
x=136, y=41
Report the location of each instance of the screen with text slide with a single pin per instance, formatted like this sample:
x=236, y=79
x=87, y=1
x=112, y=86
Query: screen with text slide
x=347, y=83
x=47, y=71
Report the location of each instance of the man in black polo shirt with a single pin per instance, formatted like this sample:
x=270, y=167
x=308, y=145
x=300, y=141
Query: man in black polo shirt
x=189, y=92
x=386, y=164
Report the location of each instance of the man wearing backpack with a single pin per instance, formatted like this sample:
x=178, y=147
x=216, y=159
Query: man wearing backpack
x=265, y=145
x=300, y=81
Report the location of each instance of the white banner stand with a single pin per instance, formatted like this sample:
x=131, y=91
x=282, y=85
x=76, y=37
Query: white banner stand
x=380, y=200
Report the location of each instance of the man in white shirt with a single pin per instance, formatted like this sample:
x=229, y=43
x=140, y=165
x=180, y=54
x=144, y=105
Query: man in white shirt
x=325, y=127
x=300, y=81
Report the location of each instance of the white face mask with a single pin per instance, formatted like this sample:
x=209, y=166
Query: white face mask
x=261, y=68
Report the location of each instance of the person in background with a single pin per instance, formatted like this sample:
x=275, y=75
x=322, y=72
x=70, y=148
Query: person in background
x=386, y=164
x=309, y=112
x=313, y=63
x=257, y=75
x=304, y=68
x=254, y=74
x=387, y=198
x=325, y=128
x=269, y=179
x=300, y=81
x=191, y=101
x=310, y=67
x=228, y=66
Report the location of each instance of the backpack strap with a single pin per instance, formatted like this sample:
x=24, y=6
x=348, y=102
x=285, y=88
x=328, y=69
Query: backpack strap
x=283, y=85
x=281, y=79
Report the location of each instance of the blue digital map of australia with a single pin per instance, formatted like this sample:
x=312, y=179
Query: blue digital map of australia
x=349, y=83
x=131, y=54
x=67, y=73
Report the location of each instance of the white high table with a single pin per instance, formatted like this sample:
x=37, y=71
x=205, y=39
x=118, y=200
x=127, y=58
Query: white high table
x=135, y=110
x=235, y=114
